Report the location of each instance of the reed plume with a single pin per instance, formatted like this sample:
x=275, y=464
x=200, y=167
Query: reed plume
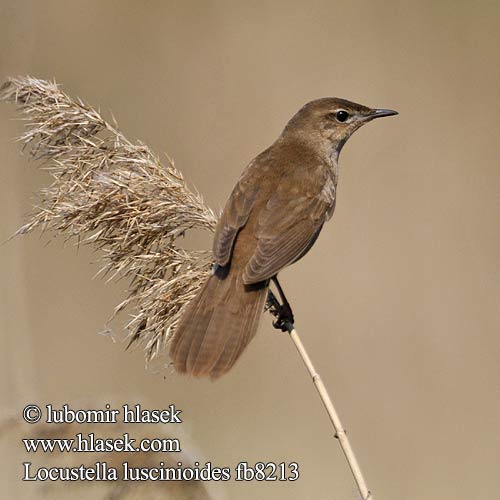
x=115, y=195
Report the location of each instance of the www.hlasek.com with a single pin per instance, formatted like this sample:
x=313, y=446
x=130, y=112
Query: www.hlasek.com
x=101, y=471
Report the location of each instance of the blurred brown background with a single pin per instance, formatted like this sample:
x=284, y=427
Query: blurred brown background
x=398, y=302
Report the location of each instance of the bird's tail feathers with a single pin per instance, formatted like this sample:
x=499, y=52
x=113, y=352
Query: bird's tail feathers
x=217, y=326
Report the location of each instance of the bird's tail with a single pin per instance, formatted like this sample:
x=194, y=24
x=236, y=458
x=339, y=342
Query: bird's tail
x=217, y=326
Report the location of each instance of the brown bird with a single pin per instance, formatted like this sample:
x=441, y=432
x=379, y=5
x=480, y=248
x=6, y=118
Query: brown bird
x=272, y=218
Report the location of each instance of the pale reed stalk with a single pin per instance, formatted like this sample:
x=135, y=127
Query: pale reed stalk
x=338, y=428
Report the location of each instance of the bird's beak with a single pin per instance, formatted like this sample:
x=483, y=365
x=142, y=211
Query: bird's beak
x=379, y=113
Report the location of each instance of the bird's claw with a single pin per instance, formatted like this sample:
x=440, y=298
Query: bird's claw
x=282, y=312
x=284, y=317
x=283, y=324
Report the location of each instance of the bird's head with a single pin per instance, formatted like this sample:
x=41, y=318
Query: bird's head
x=327, y=123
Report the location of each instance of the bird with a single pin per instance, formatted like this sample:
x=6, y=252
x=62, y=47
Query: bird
x=272, y=218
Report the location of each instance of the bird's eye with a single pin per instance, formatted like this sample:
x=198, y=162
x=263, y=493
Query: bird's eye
x=341, y=116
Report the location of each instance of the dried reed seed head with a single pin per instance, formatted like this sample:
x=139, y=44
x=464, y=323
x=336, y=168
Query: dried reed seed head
x=117, y=196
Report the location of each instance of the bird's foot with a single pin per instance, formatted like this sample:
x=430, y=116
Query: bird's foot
x=285, y=319
x=282, y=312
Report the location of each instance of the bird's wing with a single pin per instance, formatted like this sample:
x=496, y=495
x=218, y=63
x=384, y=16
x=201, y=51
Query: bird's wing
x=234, y=216
x=289, y=224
